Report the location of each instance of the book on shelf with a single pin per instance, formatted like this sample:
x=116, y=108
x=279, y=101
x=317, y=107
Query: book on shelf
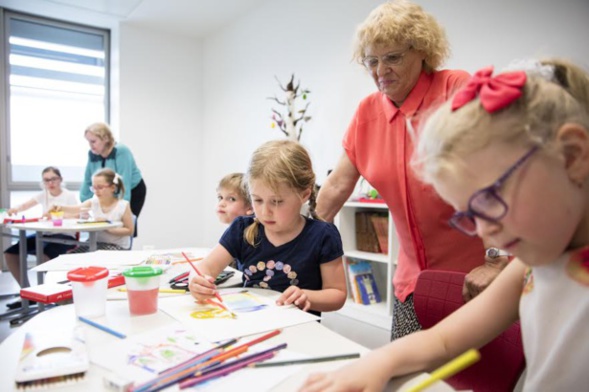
x=362, y=283
x=49, y=293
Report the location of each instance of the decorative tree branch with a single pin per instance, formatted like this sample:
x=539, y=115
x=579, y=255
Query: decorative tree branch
x=292, y=127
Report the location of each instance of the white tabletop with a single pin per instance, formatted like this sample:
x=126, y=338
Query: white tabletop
x=69, y=226
x=310, y=338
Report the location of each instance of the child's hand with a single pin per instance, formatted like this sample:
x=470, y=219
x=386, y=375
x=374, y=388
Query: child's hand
x=12, y=211
x=294, y=295
x=202, y=288
x=362, y=375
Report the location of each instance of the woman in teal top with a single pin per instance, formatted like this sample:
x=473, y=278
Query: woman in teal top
x=105, y=152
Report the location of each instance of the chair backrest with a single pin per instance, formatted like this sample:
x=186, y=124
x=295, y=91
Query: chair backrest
x=439, y=293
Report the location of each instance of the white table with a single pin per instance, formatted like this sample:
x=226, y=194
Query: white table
x=41, y=228
x=70, y=226
x=310, y=338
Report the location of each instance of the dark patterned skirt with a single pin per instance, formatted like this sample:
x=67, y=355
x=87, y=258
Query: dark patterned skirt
x=404, y=318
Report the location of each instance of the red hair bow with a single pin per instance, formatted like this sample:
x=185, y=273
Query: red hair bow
x=495, y=93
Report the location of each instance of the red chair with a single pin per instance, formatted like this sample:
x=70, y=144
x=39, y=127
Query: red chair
x=439, y=293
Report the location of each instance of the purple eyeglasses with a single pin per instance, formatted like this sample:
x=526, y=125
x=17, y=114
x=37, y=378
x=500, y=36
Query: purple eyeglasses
x=486, y=203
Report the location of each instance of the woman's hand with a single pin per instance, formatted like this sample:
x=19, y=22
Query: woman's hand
x=202, y=288
x=294, y=295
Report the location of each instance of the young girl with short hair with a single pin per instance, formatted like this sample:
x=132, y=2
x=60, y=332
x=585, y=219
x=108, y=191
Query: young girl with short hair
x=511, y=154
x=107, y=204
x=278, y=248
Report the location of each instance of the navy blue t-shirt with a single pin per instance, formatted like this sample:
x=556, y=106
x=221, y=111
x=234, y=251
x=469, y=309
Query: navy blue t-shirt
x=278, y=267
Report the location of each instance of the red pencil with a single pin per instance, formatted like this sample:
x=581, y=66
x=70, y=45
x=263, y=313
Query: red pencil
x=199, y=274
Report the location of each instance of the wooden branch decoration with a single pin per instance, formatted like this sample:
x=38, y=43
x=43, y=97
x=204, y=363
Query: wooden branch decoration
x=290, y=125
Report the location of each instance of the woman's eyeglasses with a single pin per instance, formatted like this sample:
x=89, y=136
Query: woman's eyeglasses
x=389, y=59
x=486, y=203
x=52, y=179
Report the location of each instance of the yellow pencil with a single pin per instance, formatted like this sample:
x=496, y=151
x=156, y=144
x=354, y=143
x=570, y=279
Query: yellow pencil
x=454, y=366
x=170, y=291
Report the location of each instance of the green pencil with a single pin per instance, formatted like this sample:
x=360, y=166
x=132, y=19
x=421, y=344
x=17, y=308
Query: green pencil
x=308, y=360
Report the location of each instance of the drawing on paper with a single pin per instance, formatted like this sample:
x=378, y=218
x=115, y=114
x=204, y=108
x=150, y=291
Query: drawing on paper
x=237, y=302
x=169, y=351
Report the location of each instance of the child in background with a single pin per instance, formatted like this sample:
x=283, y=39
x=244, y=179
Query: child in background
x=53, y=193
x=278, y=248
x=511, y=154
x=107, y=204
x=233, y=199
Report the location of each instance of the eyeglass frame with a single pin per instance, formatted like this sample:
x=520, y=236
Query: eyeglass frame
x=401, y=57
x=52, y=179
x=99, y=187
x=492, y=190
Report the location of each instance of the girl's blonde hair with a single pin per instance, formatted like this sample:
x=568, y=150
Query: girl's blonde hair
x=235, y=182
x=280, y=162
x=533, y=119
x=112, y=178
x=102, y=131
x=402, y=22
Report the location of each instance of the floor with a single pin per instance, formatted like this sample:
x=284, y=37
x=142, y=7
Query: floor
x=9, y=286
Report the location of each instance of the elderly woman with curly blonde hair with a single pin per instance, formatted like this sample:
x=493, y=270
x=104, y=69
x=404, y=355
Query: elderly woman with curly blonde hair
x=402, y=48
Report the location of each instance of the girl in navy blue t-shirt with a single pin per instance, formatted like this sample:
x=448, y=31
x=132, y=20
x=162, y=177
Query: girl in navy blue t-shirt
x=278, y=248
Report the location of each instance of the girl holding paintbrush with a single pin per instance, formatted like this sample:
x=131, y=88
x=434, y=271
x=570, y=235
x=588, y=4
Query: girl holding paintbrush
x=277, y=248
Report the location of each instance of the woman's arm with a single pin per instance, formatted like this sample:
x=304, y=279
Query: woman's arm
x=125, y=165
x=85, y=192
x=471, y=326
x=203, y=287
x=337, y=188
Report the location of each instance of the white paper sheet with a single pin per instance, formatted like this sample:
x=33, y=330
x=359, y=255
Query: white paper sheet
x=255, y=309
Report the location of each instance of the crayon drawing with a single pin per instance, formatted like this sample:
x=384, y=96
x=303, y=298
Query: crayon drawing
x=175, y=347
x=143, y=356
x=256, y=312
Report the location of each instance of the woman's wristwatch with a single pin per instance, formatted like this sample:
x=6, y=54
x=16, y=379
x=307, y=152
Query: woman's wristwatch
x=496, y=252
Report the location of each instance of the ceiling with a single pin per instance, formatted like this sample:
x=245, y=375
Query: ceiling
x=194, y=18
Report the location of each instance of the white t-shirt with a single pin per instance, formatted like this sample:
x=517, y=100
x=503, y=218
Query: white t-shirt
x=65, y=198
x=114, y=215
x=554, y=316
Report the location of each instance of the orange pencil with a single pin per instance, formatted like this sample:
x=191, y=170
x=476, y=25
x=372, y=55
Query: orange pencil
x=186, y=261
x=199, y=274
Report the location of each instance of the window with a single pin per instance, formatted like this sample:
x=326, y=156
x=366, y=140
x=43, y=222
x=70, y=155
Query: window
x=57, y=84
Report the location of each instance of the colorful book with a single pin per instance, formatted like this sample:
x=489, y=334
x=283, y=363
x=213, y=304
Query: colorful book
x=362, y=283
x=50, y=358
x=49, y=293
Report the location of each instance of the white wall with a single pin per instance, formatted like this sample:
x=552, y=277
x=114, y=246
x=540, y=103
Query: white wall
x=313, y=39
x=161, y=121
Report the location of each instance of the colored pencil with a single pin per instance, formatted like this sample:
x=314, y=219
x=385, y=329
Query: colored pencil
x=213, y=302
x=308, y=360
x=211, y=362
x=102, y=327
x=199, y=274
x=454, y=366
x=179, y=277
x=177, y=372
x=230, y=367
x=187, y=260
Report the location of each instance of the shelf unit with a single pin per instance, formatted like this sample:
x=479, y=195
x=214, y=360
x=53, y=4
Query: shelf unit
x=383, y=266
